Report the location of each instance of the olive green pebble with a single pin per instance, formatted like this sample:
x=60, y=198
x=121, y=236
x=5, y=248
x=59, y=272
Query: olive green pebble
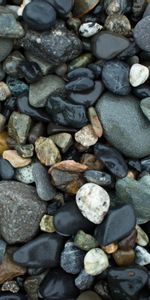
x=19, y=126
x=47, y=224
x=85, y=241
x=81, y=61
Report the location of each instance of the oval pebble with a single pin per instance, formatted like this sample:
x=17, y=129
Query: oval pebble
x=89, y=29
x=138, y=74
x=25, y=174
x=95, y=262
x=71, y=259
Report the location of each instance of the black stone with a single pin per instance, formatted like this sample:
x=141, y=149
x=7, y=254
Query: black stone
x=130, y=51
x=6, y=169
x=11, y=296
x=80, y=72
x=43, y=251
x=9, y=105
x=142, y=91
x=80, y=85
x=58, y=285
x=126, y=283
x=112, y=159
x=115, y=76
x=63, y=7
x=100, y=178
x=55, y=128
x=52, y=208
x=68, y=220
x=118, y=224
x=135, y=164
x=39, y=15
x=31, y=71
x=96, y=68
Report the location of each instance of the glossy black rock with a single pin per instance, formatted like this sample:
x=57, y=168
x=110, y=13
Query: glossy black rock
x=100, y=178
x=118, y=224
x=55, y=128
x=80, y=84
x=31, y=71
x=112, y=159
x=6, y=169
x=96, y=68
x=142, y=91
x=42, y=251
x=68, y=220
x=80, y=72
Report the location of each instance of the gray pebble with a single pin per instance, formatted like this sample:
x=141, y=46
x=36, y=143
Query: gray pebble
x=142, y=34
x=9, y=27
x=145, y=106
x=84, y=281
x=72, y=258
x=25, y=174
x=6, y=46
x=3, y=246
x=100, y=178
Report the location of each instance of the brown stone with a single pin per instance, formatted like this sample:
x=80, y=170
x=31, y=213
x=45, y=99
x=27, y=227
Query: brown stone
x=83, y=7
x=110, y=248
x=80, y=148
x=95, y=122
x=15, y=159
x=129, y=242
x=3, y=142
x=69, y=165
x=91, y=162
x=124, y=258
x=46, y=151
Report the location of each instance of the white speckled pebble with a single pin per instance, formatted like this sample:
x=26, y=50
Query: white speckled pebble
x=89, y=29
x=138, y=74
x=86, y=136
x=95, y=262
x=93, y=202
x=142, y=256
x=25, y=174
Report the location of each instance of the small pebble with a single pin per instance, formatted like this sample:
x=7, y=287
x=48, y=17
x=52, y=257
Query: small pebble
x=15, y=159
x=10, y=286
x=84, y=281
x=71, y=259
x=118, y=23
x=138, y=74
x=89, y=29
x=46, y=151
x=142, y=256
x=62, y=140
x=142, y=238
x=85, y=241
x=95, y=122
x=124, y=258
x=86, y=136
x=6, y=170
x=111, y=248
x=25, y=151
x=25, y=174
x=47, y=224
x=95, y=262
x=4, y=91
x=19, y=126
x=100, y=178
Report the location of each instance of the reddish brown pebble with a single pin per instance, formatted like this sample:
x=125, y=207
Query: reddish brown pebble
x=69, y=165
x=124, y=258
x=95, y=122
x=129, y=242
x=15, y=159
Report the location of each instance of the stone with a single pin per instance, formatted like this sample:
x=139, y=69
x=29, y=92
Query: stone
x=36, y=131
x=95, y=122
x=84, y=281
x=42, y=181
x=25, y=151
x=4, y=91
x=11, y=64
x=20, y=224
x=85, y=241
x=16, y=86
x=86, y=136
x=115, y=76
x=41, y=252
x=3, y=142
x=145, y=106
x=101, y=288
x=80, y=72
x=6, y=170
x=69, y=165
x=39, y=91
x=47, y=224
x=63, y=140
x=71, y=259
x=80, y=62
x=111, y=248
x=124, y=258
x=107, y=45
x=31, y=286
x=80, y=84
x=6, y=46
x=25, y=174
x=93, y=202
x=2, y=122
x=88, y=295
x=141, y=34
x=138, y=74
x=63, y=8
x=31, y=71
x=2, y=73
x=118, y=224
x=54, y=128
x=46, y=67
x=46, y=151
x=118, y=23
x=138, y=8
x=81, y=9
x=90, y=161
x=115, y=6
x=95, y=262
x=9, y=27
x=128, y=242
x=3, y=246
x=18, y=296
x=19, y=126
x=15, y=159
x=89, y=29
x=130, y=134
x=142, y=256
x=10, y=286
x=97, y=177
x=142, y=238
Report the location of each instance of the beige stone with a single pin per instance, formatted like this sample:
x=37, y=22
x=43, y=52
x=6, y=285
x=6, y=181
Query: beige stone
x=15, y=159
x=86, y=136
x=46, y=151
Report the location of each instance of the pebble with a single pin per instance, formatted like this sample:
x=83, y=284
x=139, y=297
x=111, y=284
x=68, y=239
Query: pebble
x=11, y=64
x=118, y=224
x=89, y=29
x=81, y=9
x=31, y=71
x=84, y=241
x=10, y=286
x=128, y=242
x=145, y=106
x=9, y=27
x=15, y=159
x=95, y=122
x=2, y=122
x=80, y=62
x=80, y=85
x=9, y=296
x=124, y=258
x=3, y=246
x=22, y=222
x=115, y=76
x=107, y=45
x=69, y=165
x=141, y=34
x=88, y=295
x=3, y=142
x=16, y=86
x=97, y=177
x=93, y=202
x=95, y=262
x=46, y=67
x=142, y=91
x=6, y=46
x=84, y=281
x=44, y=187
x=2, y=73
x=42, y=252
x=115, y=6
x=142, y=238
x=36, y=131
x=86, y=136
x=111, y=248
x=101, y=288
x=25, y=174
x=142, y=256
x=19, y=126
x=80, y=72
x=25, y=151
x=72, y=258
x=46, y=151
x=47, y=224
x=31, y=286
x=63, y=140
x=124, y=113
x=138, y=74
x=6, y=170
x=56, y=128
x=4, y=91
x=118, y=23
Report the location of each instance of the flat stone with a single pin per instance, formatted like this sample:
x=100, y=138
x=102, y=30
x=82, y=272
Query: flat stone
x=9, y=27
x=80, y=84
x=46, y=151
x=95, y=122
x=63, y=140
x=97, y=177
x=145, y=106
x=86, y=136
x=131, y=130
x=95, y=262
x=142, y=238
x=124, y=258
x=6, y=46
x=25, y=174
x=71, y=259
x=69, y=165
x=141, y=34
x=138, y=74
x=15, y=159
x=84, y=281
x=19, y=126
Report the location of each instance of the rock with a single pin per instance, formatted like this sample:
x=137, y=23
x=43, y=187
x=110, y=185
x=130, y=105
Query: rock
x=47, y=224
x=43, y=18
x=93, y=201
x=101, y=288
x=80, y=72
x=2, y=122
x=107, y=45
x=4, y=91
x=111, y=248
x=81, y=9
x=124, y=258
x=3, y=142
x=2, y=73
x=115, y=76
x=11, y=64
x=16, y=86
x=89, y=29
x=142, y=256
x=58, y=285
x=97, y=177
x=86, y=136
x=95, y=262
x=145, y=106
x=54, y=128
x=3, y=246
x=80, y=62
x=115, y=6
x=25, y=151
x=39, y=91
x=21, y=223
x=138, y=74
x=118, y=224
x=141, y=34
x=46, y=67
x=88, y=295
x=63, y=140
x=19, y=126
x=9, y=27
x=9, y=296
x=85, y=241
x=44, y=187
x=46, y=151
x=68, y=220
x=57, y=45
x=84, y=281
x=31, y=71
x=142, y=238
x=6, y=170
x=118, y=23
x=6, y=46
x=31, y=286
x=10, y=286
x=36, y=131
x=128, y=242
x=25, y=174
x=127, y=282
x=63, y=8
x=138, y=8
x=80, y=85
x=15, y=159
x=71, y=260
x=69, y=165
x=95, y=122
x=131, y=130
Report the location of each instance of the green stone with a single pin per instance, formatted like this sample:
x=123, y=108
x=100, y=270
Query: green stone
x=85, y=241
x=18, y=127
x=81, y=61
x=63, y=140
x=16, y=86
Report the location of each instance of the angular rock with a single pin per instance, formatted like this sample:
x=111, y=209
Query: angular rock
x=19, y=126
x=46, y=151
x=4, y=91
x=85, y=241
x=84, y=281
x=142, y=238
x=70, y=166
x=47, y=224
x=142, y=256
x=86, y=136
x=97, y=177
x=15, y=159
x=89, y=29
x=9, y=27
x=72, y=257
x=62, y=140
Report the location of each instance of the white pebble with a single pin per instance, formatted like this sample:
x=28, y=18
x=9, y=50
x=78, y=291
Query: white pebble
x=89, y=29
x=142, y=256
x=95, y=262
x=25, y=174
x=138, y=74
x=86, y=136
x=142, y=238
x=93, y=202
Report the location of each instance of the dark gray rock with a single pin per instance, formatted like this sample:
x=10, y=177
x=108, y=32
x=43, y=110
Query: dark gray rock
x=100, y=178
x=6, y=46
x=142, y=34
x=9, y=27
x=3, y=246
x=72, y=258
x=84, y=281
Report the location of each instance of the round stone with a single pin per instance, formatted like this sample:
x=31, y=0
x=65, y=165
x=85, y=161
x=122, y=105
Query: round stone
x=89, y=29
x=72, y=258
x=142, y=34
x=138, y=74
x=93, y=202
x=95, y=262
x=118, y=24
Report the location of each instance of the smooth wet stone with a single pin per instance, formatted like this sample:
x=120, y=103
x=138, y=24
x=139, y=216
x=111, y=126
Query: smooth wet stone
x=145, y=106
x=142, y=91
x=19, y=126
x=58, y=285
x=95, y=122
x=126, y=283
x=112, y=159
x=15, y=159
x=138, y=74
x=80, y=85
x=84, y=7
x=6, y=170
x=86, y=136
x=47, y=224
x=39, y=91
x=80, y=72
x=42, y=251
x=11, y=296
x=63, y=140
x=84, y=281
x=71, y=260
x=68, y=220
x=107, y=45
x=118, y=224
x=11, y=63
x=142, y=256
x=4, y=91
x=85, y=241
x=89, y=29
x=43, y=18
x=57, y=45
x=9, y=27
x=80, y=62
x=46, y=151
x=31, y=71
x=115, y=76
x=65, y=113
x=25, y=174
x=3, y=141
x=63, y=7
x=130, y=134
x=141, y=34
x=88, y=295
x=95, y=262
x=44, y=187
x=21, y=223
x=142, y=238
x=118, y=23
x=124, y=258
x=16, y=86
x=93, y=202
x=128, y=242
x=6, y=46
x=97, y=177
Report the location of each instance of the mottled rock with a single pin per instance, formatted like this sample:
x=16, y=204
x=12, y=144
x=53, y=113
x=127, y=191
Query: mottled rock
x=47, y=224
x=15, y=159
x=4, y=91
x=11, y=64
x=118, y=23
x=141, y=34
x=95, y=262
x=71, y=259
x=9, y=27
x=89, y=29
x=86, y=136
x=142, y=238
x=19, y=126
x=84, y=281
x=97, y=177
x=46, y=151
x=62, y=140
x=16, y=86
x=69, y=165
x=85, y=241
x=142, y=256
x=80, y=62
x=25, y=174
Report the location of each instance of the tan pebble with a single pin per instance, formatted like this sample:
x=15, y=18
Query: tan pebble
x=132, y=174
x=142, y=238
x=69, y=165
x=95, y=122
x=46, y=151
x=47, y=224
x=124, y=258
x=15, y=159
x=110, y=248
x=83, y=7
x=3, y=142
x=4, y=91
x=91, y=162
x=86, y=136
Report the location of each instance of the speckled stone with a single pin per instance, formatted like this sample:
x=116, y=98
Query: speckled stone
x=85, y=241
x=138, y=74
x=25, y=174
x=9, y=27
x=46, y=151
x=95, y=262
x=142, y=256
x=4, y=91
x=19, y=126
x=47, y=224
x=16, y=86
x=72, y=258
x=89, y=29
x=86, y=136
x=118, y=23
x=141, y=34
x=142, y=238
x=84, y=281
